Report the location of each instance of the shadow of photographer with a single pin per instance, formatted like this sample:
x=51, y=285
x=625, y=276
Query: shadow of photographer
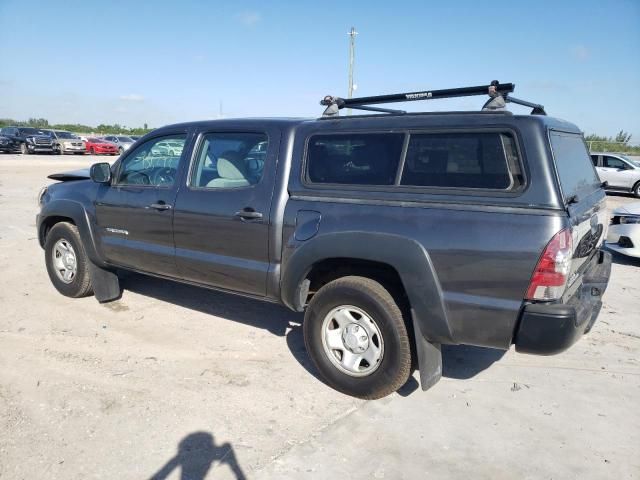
x=197, y=453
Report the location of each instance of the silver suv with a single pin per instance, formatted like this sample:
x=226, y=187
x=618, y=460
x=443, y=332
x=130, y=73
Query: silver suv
x=122, y=142
x=621, y=173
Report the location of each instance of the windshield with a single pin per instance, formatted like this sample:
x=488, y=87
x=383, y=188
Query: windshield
x=125, y=139
x=635, y=163
x=31, y=131
x=575, y=169
x=65, y=135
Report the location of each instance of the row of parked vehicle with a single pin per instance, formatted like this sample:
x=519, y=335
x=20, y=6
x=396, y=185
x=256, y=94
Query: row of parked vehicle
x=27, y=140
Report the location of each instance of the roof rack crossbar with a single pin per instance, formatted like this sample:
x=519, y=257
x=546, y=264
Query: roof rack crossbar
x=335, y=104
x=502, y=88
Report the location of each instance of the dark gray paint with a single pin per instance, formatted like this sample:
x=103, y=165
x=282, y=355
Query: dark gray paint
x=465, y=257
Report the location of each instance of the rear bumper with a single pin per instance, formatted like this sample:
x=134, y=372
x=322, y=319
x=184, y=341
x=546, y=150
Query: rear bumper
x=546, y=329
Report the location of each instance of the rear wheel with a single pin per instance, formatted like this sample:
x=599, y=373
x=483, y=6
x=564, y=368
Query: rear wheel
x=636, y=190
x=92, y=151
x=23, y=149
x=67, y=262
x=120, y=150
x=356, y=337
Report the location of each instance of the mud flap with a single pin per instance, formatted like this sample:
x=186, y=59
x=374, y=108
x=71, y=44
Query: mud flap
x=429, y=358
x=106, y=286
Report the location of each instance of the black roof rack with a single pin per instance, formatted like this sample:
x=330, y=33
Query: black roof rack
x=498, y=91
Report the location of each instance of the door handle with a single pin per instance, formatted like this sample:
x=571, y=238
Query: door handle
x=160, y=206
x=248, y=214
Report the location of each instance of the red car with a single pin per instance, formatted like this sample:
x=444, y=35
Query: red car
x=98, y=146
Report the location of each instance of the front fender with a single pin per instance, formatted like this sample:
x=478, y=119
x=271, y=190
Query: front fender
x=81, y=218
x=406, y=256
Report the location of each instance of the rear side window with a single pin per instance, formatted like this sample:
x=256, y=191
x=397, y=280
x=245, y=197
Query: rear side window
x=230, y=160
x=486, y=160
x=354, y=159
x=575, y=169
x=613, y=162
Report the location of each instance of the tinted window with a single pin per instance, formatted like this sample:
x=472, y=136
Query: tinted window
x=612, y=162
x=576, y=172
x=594, y=160
x=355, y=158
x=462, y=160
x=151, y=164
x=230, y=160
x=66, y=135
x=28, y=131
x=125, y=139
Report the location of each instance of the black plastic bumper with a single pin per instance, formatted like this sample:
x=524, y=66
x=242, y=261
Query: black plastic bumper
x=546, y=328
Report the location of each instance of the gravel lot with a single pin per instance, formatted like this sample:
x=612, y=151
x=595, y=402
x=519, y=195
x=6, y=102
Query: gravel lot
x=174, y=377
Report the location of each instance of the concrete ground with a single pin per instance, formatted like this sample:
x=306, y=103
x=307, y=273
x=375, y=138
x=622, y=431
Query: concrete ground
x=173, y=382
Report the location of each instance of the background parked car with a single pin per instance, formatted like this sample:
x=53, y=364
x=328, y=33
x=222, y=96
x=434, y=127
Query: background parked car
x=123, y=143
x=620, y=172
x=624, y=231
x=29, y=139
x=171, y=148
x=67, y=142
x=8, y=144
x=98, y=146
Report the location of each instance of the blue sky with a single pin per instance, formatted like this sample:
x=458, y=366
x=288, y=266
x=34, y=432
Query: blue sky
x=160, y=62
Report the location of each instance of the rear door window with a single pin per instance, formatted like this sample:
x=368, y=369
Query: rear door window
x=575, y=169
x=354, y=158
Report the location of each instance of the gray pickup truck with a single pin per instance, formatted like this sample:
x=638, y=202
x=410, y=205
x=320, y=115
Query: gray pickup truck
x=395, y=232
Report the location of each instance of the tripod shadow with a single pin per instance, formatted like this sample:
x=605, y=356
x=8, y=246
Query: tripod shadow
x=197, y=452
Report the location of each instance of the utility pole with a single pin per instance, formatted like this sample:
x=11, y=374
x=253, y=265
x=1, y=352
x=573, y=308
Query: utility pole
x=352, y=47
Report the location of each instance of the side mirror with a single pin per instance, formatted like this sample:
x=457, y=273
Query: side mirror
x=100, y=172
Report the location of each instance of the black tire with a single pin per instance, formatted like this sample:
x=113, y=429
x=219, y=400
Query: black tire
x=636, y=190
x=371, y=297
x=92, y=151
x=120, y=151
x=80, y=285
x=58, y=149
x=23, y=149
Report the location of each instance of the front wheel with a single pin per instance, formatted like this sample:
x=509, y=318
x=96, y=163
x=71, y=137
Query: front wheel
x=24, y=150
x=636, y=190
x=67, y=262
x=356, y=337
x=120, y=150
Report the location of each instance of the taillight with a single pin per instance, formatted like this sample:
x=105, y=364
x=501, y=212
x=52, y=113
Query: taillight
x=550, y=277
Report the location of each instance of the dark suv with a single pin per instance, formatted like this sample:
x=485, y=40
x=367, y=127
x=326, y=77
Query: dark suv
x=394, y=233
x=28, y=139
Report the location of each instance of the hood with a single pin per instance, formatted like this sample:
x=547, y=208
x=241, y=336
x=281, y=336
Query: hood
x=629, y=209
x=82, y=174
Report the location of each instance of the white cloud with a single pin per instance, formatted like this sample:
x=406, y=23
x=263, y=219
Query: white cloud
x=580, y=52
x=249, y=18
x=132, y=97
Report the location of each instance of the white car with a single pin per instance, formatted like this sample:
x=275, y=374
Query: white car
x=621, y=173
x=624, y=230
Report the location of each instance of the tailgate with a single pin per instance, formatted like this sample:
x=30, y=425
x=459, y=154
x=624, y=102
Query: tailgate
x=583, y=196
